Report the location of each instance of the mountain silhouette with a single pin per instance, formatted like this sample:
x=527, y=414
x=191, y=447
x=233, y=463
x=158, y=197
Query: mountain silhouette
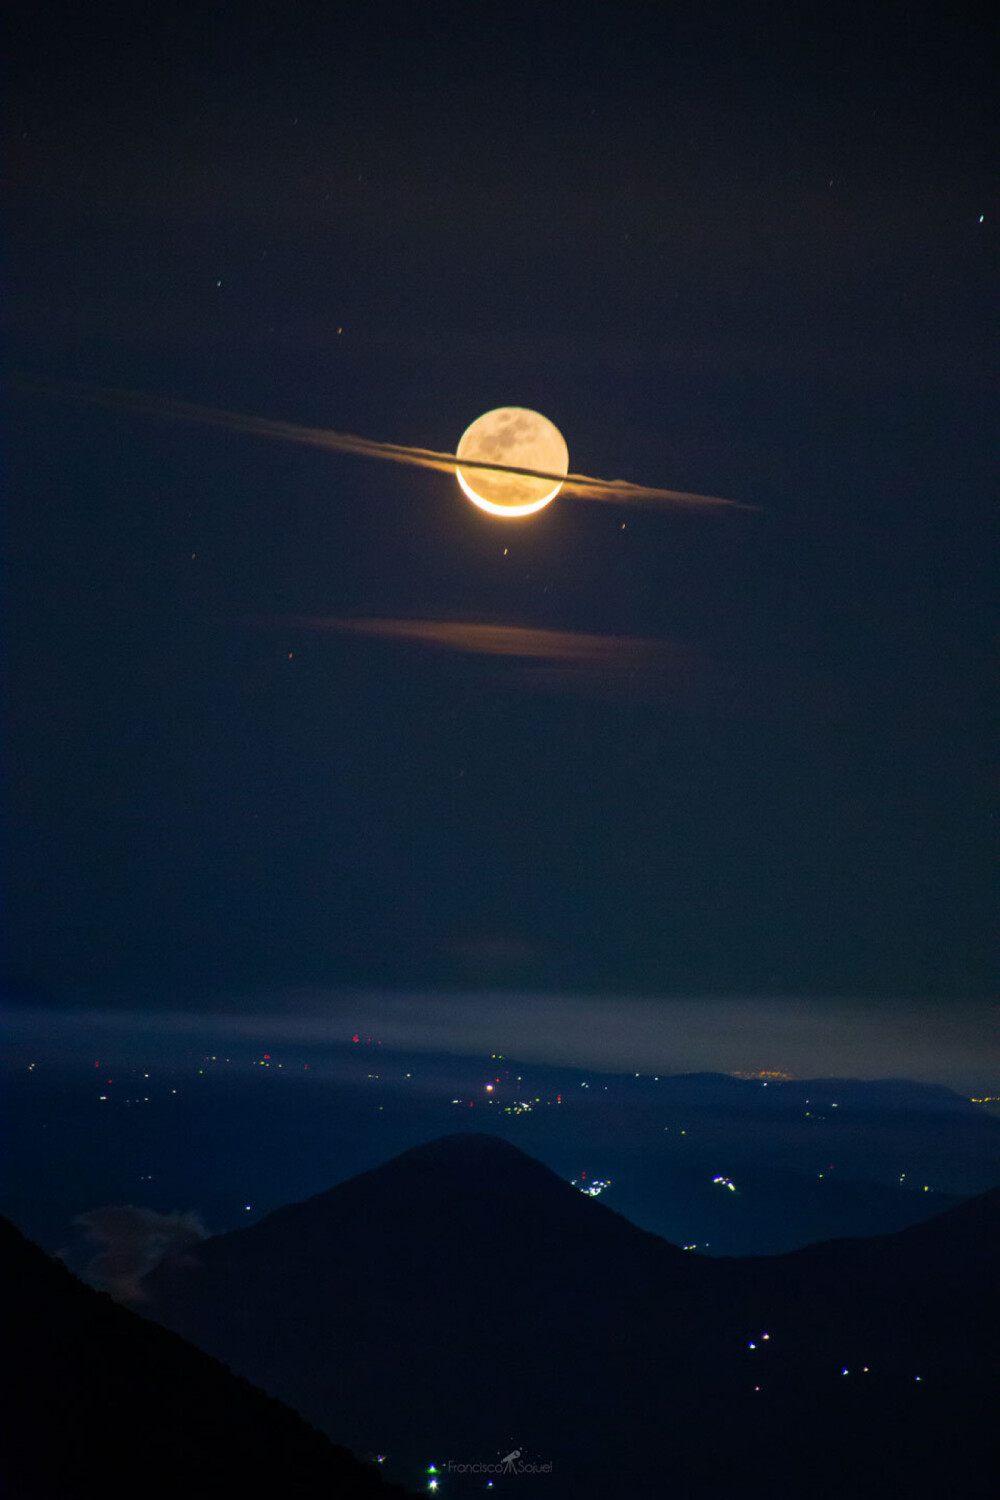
x=462, y=1300
x=101, y=1403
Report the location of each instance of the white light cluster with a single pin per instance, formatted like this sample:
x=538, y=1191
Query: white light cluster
x=594, y=1188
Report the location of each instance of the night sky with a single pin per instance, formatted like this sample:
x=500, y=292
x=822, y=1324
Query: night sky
x=739, y=250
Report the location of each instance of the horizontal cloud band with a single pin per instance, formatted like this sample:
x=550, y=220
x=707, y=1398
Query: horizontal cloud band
x=620, y=490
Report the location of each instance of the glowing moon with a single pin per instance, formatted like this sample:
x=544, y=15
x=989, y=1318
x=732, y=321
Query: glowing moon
x=523, y=439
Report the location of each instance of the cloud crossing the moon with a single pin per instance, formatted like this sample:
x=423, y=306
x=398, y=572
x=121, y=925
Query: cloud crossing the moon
x=583, y=486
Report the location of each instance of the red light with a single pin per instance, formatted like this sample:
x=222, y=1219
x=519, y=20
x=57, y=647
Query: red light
x=267, y=1057
x=355, y=1038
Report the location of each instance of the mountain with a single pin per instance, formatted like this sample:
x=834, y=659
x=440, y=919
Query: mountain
x=100, y=1402
x=890, y=1154
x=462, y=1301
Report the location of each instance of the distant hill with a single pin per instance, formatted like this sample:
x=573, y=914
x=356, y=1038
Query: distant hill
x=890, y=1153
x=462, y=1301
x=101, y=1403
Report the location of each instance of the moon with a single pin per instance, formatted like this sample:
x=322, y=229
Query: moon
x=520, y=438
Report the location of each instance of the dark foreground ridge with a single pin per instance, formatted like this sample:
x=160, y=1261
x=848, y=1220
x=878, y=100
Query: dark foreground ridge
x=101, y=1403
x=462, y=1300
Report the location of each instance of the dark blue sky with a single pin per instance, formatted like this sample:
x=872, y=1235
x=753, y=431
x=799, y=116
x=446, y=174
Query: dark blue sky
x=743, y=251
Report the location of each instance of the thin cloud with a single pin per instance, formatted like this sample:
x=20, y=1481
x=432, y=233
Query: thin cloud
x=620, y=490
x=503, y=640
x=133, y=1242
x=556, y=658
x=809, y=1037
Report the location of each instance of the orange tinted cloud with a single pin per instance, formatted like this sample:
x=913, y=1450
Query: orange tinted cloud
x=559, y=658
x=581, y=485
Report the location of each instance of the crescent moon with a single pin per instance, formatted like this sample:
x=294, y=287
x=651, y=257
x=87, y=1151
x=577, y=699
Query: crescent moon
x=520, y=439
